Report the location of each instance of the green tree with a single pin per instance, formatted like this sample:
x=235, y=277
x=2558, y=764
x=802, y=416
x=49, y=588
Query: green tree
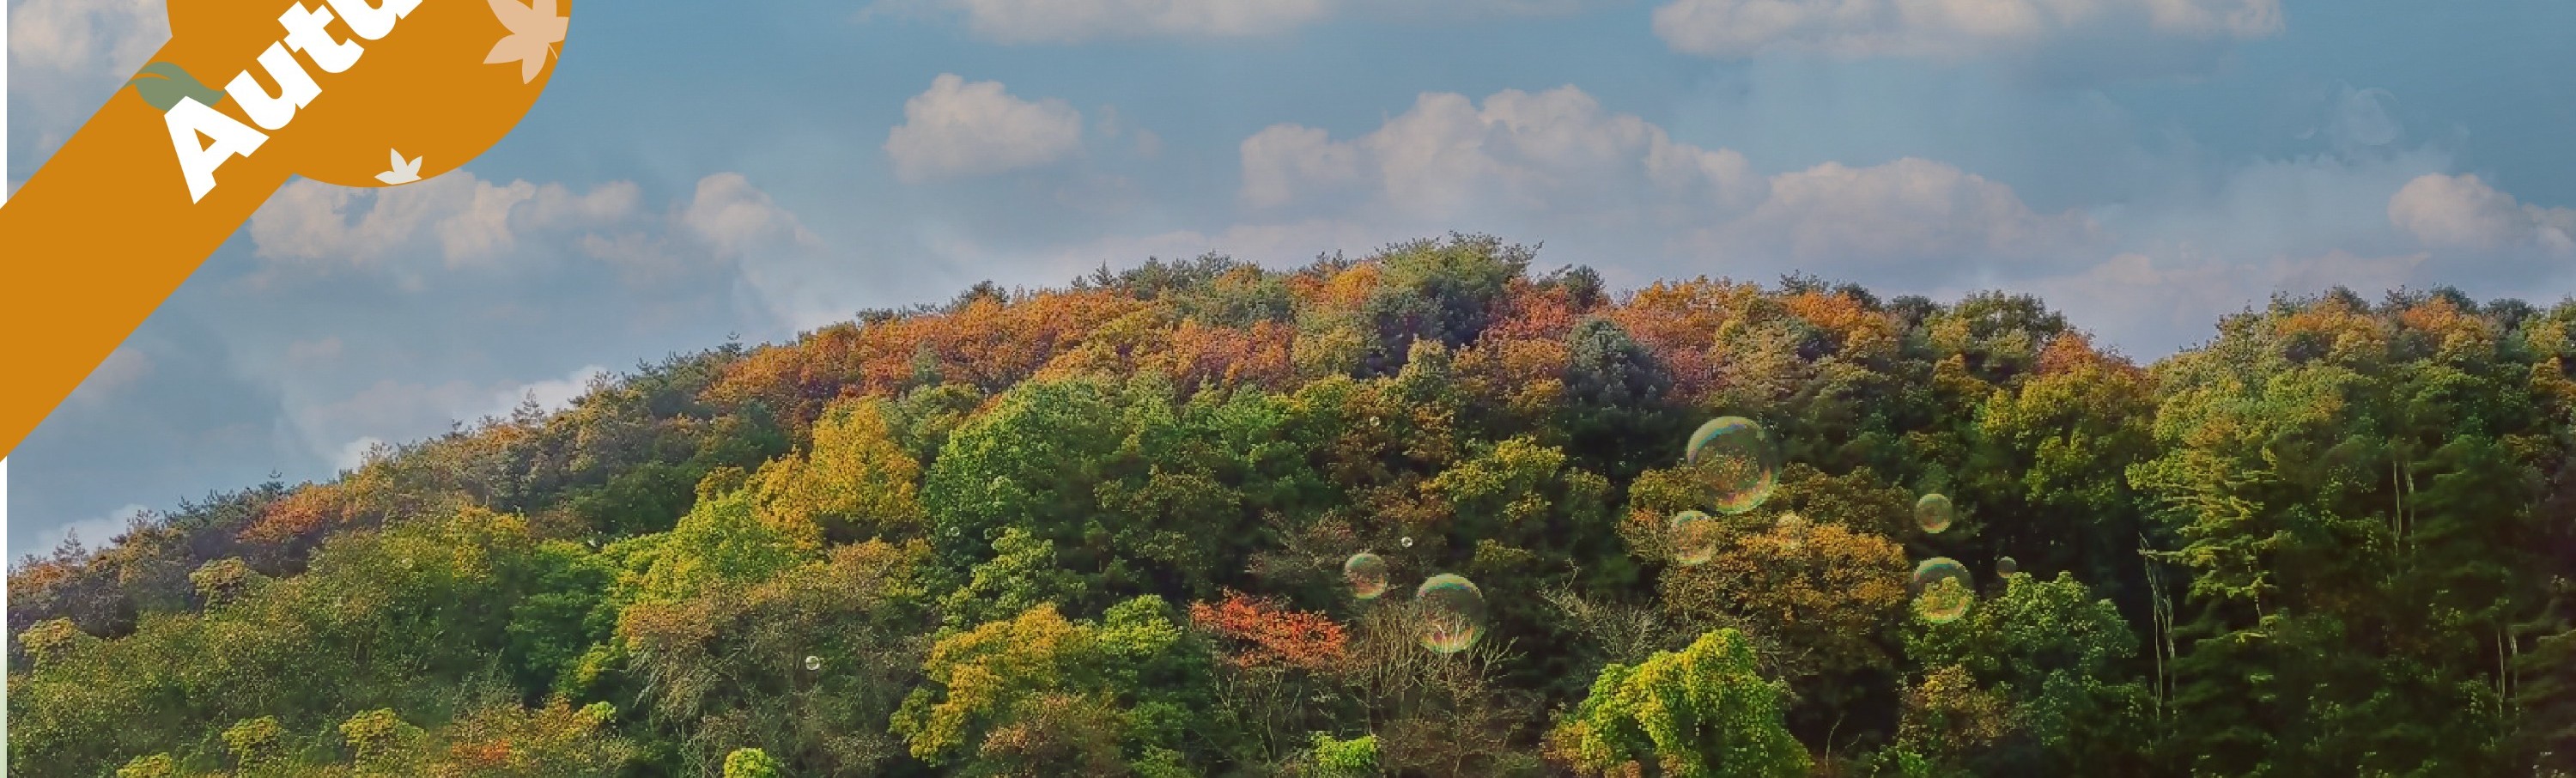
x=1703, y=711
x=1440, y=291
x=1042, y=678
x=2331, y=472
x=750, y=763
x=2059, y=659
x=806, y=665
x=1351, y=758
x=382, y=743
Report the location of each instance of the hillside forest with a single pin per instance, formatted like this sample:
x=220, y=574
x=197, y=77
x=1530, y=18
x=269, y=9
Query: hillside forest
x=1436, y=512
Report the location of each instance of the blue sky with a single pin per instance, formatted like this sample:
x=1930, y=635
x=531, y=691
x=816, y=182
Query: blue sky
x=698, y=171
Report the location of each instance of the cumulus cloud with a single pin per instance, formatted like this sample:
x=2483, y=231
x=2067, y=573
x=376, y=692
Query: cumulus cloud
x=70, y=54
x=1080, y=21
x=1557, y=152
x=727, y=230
x=1556, y=162
x=76, y=36
x=959, y=129
x=472, y=221
x=1906, y=209
x=2464, y=212
x=1943, y=29
x=735, y=217
x=781, y=267
x=1067, y=21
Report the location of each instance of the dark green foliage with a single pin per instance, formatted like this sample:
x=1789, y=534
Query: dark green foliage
x=1440, y=291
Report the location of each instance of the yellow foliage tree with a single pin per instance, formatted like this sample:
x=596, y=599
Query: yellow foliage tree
x=854, y=482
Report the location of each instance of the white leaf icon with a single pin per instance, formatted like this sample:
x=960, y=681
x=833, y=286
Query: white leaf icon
x=403, y=172
x=534, y=30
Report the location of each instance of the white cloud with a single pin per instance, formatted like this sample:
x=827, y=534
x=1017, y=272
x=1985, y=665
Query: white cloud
x=1067, y=21
x=473, y=222
x=70, y=54
x=782, y=268
x=344, y=430
x=1943, y=29
x=1906, y=209
x=1557, y=164
x=2465, y=212
x=735, y=217
x=1555, y=152
x=727, y=225
x=356, y=453
x=550, y=395
x=1077, y=21
x=79, y=36
x=1280, y=161
x=960, y=129
x=93, y=532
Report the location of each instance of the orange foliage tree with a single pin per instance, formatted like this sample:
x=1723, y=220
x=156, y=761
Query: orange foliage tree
x=1273, y=635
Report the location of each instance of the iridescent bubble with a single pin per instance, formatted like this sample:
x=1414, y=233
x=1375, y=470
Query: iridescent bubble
x=1942, y=590
x=2006, y=566
x=1407, y=542
x=813, y=663
x=1695, y=536
x=1452, y=610
x=1737, y=462
x=1934, y=513
x=1367, y=574
x=1793, y=530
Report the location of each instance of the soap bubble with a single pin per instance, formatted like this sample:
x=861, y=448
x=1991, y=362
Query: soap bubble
x=1695, y=536
x=1452, y=611
x=1937, y=568
x=813, y=663
x=1934, y=513
x=1736, y=460
x=2006, y=566
x=1942, y=590
x=1367, y=574
x=1406, y=542
x=1793, y=529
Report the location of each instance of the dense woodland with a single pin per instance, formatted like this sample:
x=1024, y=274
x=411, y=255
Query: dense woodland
x=1100, y=531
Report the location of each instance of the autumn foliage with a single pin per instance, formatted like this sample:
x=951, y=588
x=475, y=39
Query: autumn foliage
x=1101, y=530
x=1271, y=635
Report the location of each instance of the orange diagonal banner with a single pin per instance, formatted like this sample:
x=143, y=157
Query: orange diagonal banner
x=246, y=94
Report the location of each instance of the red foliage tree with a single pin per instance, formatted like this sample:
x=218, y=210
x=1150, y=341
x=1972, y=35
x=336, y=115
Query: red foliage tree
x=1274, y=636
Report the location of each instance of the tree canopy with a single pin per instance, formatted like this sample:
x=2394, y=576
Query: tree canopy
x=1423, y=513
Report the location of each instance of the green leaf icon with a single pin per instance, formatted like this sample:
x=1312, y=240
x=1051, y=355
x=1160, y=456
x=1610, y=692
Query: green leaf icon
x=172, y=83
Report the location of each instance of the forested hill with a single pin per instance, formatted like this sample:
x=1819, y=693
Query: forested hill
x=1104, y=531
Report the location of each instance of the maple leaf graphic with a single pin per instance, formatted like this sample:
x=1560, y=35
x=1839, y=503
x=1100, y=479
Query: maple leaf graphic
x=403, y=172
x=534, y=30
